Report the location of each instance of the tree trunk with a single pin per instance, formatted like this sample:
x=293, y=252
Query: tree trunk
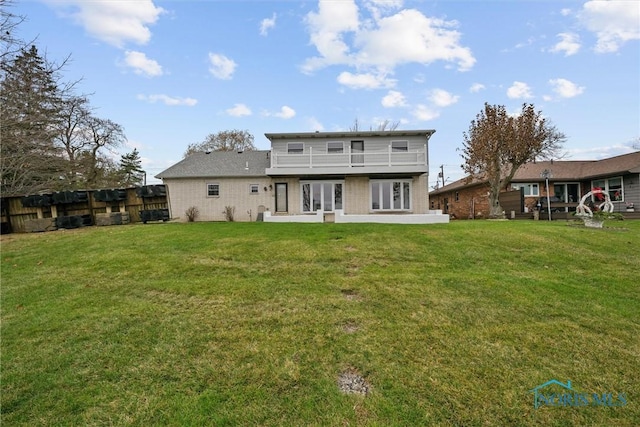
x=495, y=209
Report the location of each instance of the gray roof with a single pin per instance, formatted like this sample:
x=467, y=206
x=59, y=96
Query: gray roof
x=564, y=170
x=220, y=164
x=355, y=134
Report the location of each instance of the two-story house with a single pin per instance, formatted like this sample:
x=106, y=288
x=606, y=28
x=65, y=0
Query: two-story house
x=374, y=176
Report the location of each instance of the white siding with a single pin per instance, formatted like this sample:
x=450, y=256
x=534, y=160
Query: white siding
x=370, y=144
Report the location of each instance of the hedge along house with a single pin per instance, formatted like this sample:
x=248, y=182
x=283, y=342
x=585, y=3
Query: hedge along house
x=568, y=182
x=375, y=176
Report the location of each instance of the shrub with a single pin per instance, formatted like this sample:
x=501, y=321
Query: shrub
x=229, y=212
x=192, y=213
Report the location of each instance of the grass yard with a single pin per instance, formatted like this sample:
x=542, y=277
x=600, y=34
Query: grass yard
x=262, y=324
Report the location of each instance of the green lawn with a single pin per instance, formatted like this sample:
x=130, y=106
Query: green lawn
x=254, y=323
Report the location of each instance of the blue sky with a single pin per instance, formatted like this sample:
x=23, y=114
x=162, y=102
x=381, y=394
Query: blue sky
x=171, y=72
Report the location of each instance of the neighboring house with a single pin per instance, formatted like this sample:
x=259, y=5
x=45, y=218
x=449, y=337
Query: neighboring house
x=375, y=176
x=568, y=182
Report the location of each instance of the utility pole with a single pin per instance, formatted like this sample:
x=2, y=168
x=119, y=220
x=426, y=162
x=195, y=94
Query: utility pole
x=441, y=174
x=546, y=174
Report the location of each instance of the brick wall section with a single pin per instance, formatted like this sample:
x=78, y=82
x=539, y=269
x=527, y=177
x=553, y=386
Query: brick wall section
x=471, y=203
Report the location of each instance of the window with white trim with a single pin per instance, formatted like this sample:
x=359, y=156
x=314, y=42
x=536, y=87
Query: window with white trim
x=390, y=195
x=213, y=190
x=254, y=188
x=530, y=189
x=321, y=196
x=295, y=148
x=335, y=147
x=399, y=146
x=613, y=186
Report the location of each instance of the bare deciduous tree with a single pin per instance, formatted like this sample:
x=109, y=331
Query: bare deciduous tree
x=102, y=134
x=228, y=140
x=382, y=126
x=10, y=44
x=71, y=137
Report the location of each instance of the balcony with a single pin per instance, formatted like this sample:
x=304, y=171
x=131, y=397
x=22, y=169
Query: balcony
x=350, y=162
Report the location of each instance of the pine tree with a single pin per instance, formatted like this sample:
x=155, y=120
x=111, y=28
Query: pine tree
x=130, y=171
x=30, y=103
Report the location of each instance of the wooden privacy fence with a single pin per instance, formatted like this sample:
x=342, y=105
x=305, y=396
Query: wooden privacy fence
x=72, y=209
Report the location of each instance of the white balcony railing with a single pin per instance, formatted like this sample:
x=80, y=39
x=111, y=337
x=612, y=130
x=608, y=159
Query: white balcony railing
x=382, y=158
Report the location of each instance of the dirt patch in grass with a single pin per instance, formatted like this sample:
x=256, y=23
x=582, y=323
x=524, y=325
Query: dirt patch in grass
x=351, y=295
x=350, y=327
x=351, y=382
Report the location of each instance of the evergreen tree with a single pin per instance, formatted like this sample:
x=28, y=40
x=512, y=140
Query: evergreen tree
x=131, y=172
x=30, y=103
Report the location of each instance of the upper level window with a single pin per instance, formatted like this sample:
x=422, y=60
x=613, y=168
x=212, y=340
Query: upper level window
x=399, y=146
x=295, y=147
x=335, y=147
x=213, y=190
x=530, y=190
x=613, y=186
x=253, y=189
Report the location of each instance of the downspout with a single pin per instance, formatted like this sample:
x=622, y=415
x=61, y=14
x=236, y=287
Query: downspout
x=426, y=159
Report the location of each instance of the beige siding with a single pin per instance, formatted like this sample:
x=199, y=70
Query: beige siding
x=184, y=193
x=420, y=202
x=293, y=195
x=356, y=195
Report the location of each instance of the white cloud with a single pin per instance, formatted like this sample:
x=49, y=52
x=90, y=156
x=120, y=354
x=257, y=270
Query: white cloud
x=519, y=90
x=221, y=67
x=141, y=64
x=565, y=88
x=442, y=98
x=326, y=28
x=410, y=36
x=239, y=110
x=266, y=24
x=114, y=22
x=613, y=22
x=476, y=87
x=394, y=99
x=569, y=44
x=565, y=12
x=168, y=100
x=365, y=81
x=314, y=124
x=424, y=113
x=599, y=153
x=285, y=112
x=381, y=42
